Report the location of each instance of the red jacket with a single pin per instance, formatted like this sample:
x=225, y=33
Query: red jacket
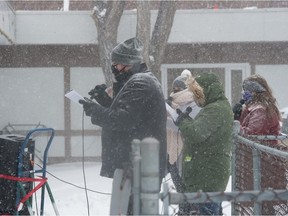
x=254, y=121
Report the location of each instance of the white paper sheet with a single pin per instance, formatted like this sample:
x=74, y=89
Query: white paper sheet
x=172, y=112
x=74, y=96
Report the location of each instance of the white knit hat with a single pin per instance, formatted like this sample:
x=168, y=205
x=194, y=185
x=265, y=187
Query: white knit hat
x=186, y=73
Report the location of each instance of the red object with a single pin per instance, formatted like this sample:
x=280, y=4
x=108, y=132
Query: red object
x=215, y=7
x=41, y=181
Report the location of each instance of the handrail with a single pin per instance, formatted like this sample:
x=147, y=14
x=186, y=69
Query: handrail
x=43, y=169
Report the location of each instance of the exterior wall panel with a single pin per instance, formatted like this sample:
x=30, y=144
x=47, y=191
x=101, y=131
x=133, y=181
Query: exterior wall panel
x=190, y=26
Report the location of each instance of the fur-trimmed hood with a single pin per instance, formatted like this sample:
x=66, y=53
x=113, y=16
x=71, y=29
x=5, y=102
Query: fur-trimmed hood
x=207, y=138
x=206, y=89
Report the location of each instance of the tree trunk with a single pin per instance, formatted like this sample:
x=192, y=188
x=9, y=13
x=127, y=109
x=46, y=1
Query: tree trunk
x=144, y=27
x=106, y=16
x=161, y=34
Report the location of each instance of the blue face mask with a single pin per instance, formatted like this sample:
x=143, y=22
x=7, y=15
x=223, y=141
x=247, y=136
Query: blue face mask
x=247, y=96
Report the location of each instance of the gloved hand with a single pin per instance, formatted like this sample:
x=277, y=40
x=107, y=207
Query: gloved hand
x=100, y=95
x=183, y=115
x=237, y=109
x=169, y=100
x=98, y=90
x=88, y=106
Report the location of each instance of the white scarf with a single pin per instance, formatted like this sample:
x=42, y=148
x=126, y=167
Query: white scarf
x=181, y=98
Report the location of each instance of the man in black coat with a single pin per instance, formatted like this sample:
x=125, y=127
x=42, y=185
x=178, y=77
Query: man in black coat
x=136, y=111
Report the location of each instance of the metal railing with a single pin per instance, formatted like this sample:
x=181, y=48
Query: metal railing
x=259, y=163
x=145, y=187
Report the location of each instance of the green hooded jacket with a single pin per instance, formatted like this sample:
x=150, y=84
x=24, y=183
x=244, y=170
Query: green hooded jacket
x=208, y=140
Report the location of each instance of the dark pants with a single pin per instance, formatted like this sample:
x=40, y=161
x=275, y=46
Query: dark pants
x=200, y=209
x=176, y=178
x=195, y=208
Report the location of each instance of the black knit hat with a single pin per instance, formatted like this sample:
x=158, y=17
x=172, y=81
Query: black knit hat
x=128, y=52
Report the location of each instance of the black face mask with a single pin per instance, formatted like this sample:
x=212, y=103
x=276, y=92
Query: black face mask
x=114, y=71
x=121, y=76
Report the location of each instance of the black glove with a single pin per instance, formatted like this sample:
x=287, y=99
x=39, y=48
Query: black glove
x=100, y=95
x=169, y=100
x=237, y=109
x=98, y=90
x=183, y=115
x=88, y=106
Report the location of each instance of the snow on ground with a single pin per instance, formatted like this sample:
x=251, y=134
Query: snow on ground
x=71, y=200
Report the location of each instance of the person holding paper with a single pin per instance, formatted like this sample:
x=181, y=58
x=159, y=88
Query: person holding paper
x=137, y=110
x=180, y=98
x=207, y=143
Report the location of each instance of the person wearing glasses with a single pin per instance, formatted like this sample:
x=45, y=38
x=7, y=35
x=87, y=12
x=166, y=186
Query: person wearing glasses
x=136, y=111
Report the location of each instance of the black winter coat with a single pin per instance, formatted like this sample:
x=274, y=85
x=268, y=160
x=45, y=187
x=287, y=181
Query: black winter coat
x=136, y=112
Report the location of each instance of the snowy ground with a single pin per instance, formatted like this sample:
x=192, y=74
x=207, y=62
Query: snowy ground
x=71, y=200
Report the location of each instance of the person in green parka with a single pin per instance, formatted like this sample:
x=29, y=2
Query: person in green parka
x=207, y=143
